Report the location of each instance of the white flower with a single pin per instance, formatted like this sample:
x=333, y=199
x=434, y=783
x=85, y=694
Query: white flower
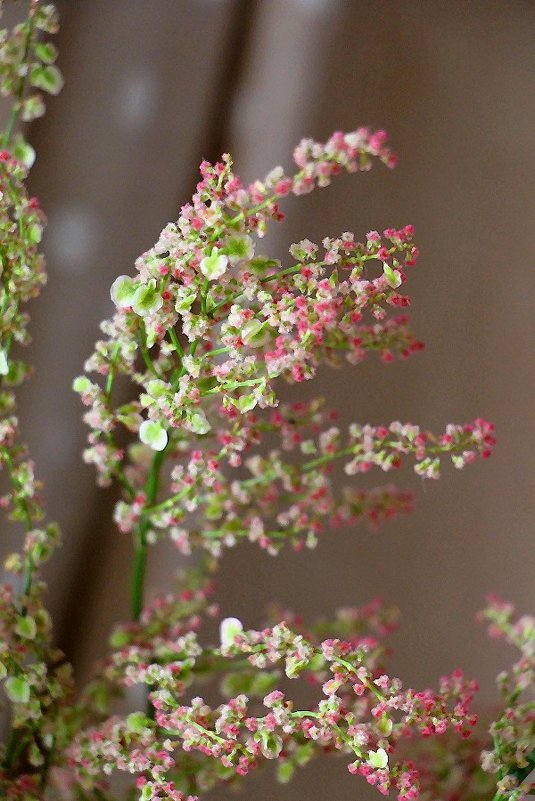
x=378, y=759
x=153, y=434
x=215, y=265
x=122, y=291
x=229, y=628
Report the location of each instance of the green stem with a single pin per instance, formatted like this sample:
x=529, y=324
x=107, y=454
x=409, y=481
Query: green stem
x=151, y=491
x=17, y=105
x=174, y=339
x=520, y=774
x=28, y=521
x=140, y=544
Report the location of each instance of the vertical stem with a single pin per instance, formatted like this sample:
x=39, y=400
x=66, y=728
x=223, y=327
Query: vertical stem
x=140, y=542
x=17, y=104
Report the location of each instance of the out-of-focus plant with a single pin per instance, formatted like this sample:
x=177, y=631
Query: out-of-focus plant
x=207, y=455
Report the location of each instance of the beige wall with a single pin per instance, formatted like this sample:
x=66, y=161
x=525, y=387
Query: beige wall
x=148, y=94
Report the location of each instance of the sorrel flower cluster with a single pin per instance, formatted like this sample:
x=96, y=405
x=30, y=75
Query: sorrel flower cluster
x=185, y=415
x=204, y=330
x=360, y=712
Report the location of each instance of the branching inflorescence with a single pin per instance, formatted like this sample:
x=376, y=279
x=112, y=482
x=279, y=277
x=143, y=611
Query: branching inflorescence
x=185, y=415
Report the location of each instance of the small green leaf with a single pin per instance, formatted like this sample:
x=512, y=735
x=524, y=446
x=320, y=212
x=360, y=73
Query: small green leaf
x=238, y=248
x=146, y=299
x=245, y=403
x=48, y=78
x=35, y=233
x=197, y=422
x=35, y=756
x=46, y=18
x=285, y=771
x=146, y=793
x=45, y=52
x=26, y=627
x=24, y=152
x=122, y=291
x=82, y=384
x=32, y=108
x=136, y=722
x=156, y=387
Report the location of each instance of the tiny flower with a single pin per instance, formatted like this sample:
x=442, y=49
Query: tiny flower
x=378, y=759
x=197, y=422
x=146, y=299
x=153, y=434
x=271, y=745
x=215, y=265
x=122, y=291
x=230, y=628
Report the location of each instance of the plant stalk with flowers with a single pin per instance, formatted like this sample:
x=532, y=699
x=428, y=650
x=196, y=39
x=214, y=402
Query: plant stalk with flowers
x=185, y=416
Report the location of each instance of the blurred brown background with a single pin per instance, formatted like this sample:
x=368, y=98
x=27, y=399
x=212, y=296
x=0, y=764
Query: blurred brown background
x=152, y=87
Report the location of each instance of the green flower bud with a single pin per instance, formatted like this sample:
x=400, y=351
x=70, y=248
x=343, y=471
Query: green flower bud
x=185, y=299
x=393, y=277
x=24, y=152
x=156, y=388
x=146, y=299
x=82, y=384
x=197, y=422
x=238, y=248
x=378, y=759
x=17, y=690
x=245, y=403
x=255, y=333
x=122, y=291
x=35, y=234
x=153, y=434
x=271, y=745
